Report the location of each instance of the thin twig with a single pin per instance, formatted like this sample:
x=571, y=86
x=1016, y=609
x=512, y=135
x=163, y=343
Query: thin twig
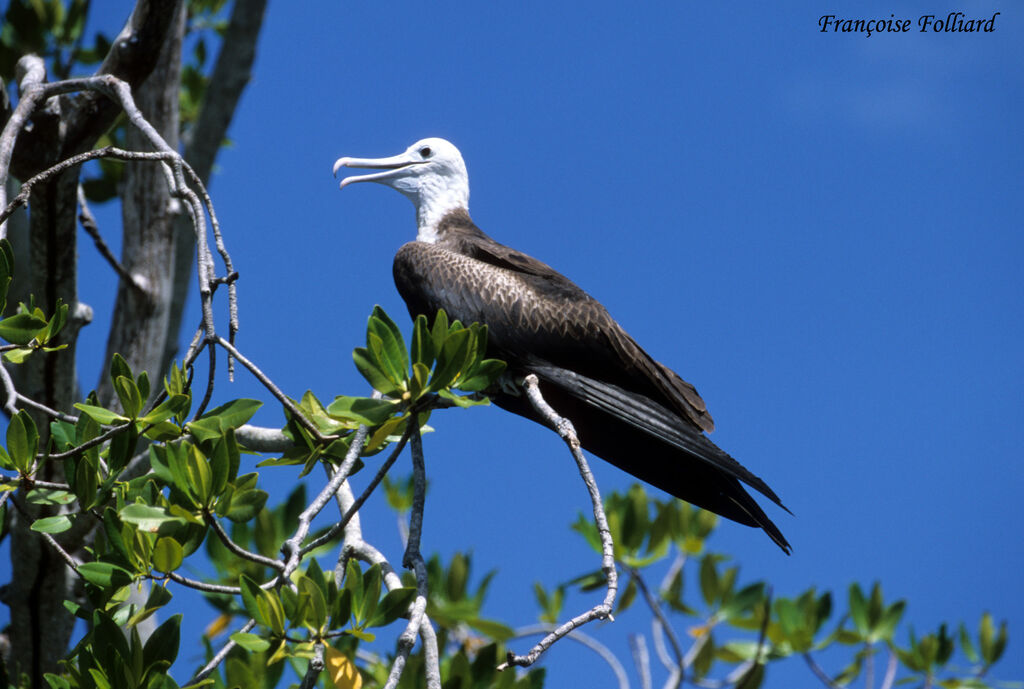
x=205, y=671
x=210, y=374
x=661, y=623
x=239, y=550
x=818, y=672
x=46, y=410
x=869, y=667
x=641, y=659
x=357, y=505
x=35, y=483
x=88, y=222
x=10, y=392
x=291, y=548
x=315, y=667
x=603, y=610
x=890, y=671
x=413, y=559
x=274, y=390
x=586, y=640
x=203, y=586
x=357, y=547
x=658, y=628
x=98, y=440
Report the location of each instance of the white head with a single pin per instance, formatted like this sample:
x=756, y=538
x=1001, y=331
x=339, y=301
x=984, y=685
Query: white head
x=431, y=173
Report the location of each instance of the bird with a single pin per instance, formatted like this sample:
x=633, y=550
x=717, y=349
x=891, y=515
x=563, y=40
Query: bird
x=626, y=407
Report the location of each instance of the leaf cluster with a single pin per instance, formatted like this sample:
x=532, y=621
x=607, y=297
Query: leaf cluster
x=760, y=629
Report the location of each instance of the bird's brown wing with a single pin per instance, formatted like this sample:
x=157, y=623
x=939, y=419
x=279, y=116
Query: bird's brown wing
x=595, y=338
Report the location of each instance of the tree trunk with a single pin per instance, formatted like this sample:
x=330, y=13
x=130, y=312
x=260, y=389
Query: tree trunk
x=148, y=213
x=40, y=582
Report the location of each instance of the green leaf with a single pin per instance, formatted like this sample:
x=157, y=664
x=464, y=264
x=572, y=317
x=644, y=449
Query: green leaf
x=122, y=449
x=859, y=610
x=708, y=579
x=395, y=604
x=56, y=524
x=451, y=359
x=56, y=682
x=372, y=580
x=482, y=376
x=362, y=636
x=21, y=328
x=366, y=410
x=18, y=356
x=22, y=441
x=167, y=554
x=341, y=610
x=162, y=645
x=354, y=586
x=464, y=401
x=101, y=415
x=55, y=324
x=315, y=616
x=158, y=597
x=142, y=383
x=149, y=518
x=373, y=374
x=104, y=574
x=263, y=606
x=752, y=678
x=166, y=409
x=200, y=475
x=422, y=344
x=220, y=465
x=48, y=496
x=439, y=331
x=250, y=642
x=251, y=594
x=245, y=504
x=216, y=421
x=491, y=629
x=119, y=367
x=392, y=354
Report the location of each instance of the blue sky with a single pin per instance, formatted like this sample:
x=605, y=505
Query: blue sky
x=820, y=231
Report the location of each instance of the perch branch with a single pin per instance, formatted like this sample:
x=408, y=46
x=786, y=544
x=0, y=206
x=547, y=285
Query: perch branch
x=603, y=610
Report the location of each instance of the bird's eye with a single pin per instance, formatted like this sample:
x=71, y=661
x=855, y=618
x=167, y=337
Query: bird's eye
x=425, y=151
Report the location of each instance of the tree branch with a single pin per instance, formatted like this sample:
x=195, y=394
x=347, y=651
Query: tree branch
x=660, y=623
x=603, y=610
x=291, y=548
x=818, y=672
x=239, y=550
x=413, y=559
x=586, y=640
x=357, y=505
x=356, y=546
x=207, y=669
x=88, y=222
x=231, y=74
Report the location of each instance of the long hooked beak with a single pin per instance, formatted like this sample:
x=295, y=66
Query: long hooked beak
x=391, y=166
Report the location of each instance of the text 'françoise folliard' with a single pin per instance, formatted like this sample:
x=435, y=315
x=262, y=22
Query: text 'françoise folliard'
x=955, y=22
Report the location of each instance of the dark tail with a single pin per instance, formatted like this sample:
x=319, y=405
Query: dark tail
x=648, y=441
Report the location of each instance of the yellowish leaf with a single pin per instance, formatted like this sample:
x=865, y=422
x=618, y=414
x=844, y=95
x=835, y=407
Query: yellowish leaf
x=217, y=626
x=698, y=632
x=341, y=670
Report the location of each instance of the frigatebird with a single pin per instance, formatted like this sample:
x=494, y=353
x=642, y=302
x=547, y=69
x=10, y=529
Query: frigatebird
x=627, y=408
